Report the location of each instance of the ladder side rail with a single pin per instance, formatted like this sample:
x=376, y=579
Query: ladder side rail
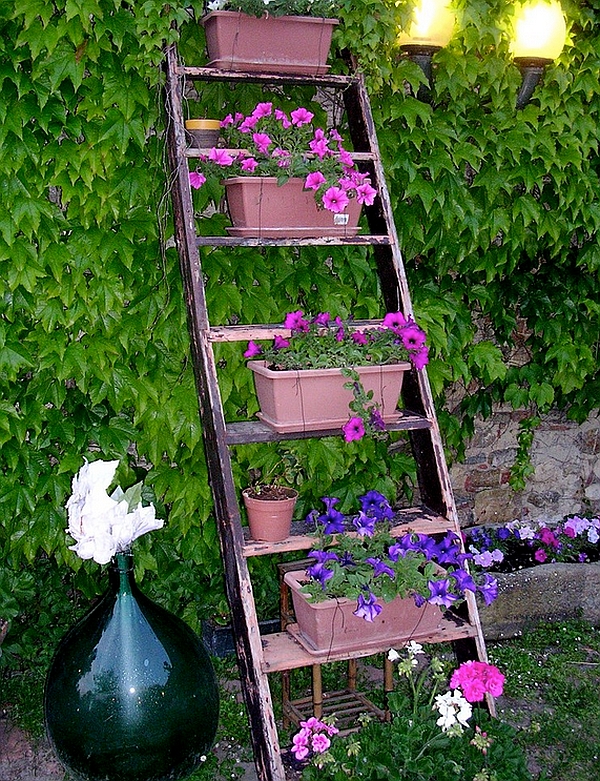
x=237, y=579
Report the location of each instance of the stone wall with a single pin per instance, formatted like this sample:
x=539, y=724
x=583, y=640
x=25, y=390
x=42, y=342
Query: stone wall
x=566, y=458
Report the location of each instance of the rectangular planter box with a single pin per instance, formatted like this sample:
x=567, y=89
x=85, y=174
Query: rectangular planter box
x=283, y=44
x=313, y=399
x=331, y=625
x=260, y=207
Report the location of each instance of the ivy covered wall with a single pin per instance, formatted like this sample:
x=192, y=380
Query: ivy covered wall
x=497, y=213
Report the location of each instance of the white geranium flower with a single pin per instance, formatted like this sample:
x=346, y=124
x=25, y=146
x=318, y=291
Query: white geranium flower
x=453, y=709
x=393, y=655
x=414, y=648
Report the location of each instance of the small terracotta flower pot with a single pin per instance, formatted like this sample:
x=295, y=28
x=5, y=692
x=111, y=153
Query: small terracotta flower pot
x=270, y=519
x=203, y=133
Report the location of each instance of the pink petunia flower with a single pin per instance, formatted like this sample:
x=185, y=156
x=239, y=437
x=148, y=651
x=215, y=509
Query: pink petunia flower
x=354, y=429
x=249, y=164
x=296, y=321
x=196, y=179
x=262, y=141
x=394, y=320
x=301, y=116
x=282, y=117
x=314, y=181
x=253, y=350
x=263, y=110
x=335, y=199
x=220, y=156
x=365, y=194
x=319, y=147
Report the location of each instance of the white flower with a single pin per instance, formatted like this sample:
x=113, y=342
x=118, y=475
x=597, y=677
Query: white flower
x=393, y=655
x=453, y=709
x=216, y=5
x=102, y=525
x=414, y=648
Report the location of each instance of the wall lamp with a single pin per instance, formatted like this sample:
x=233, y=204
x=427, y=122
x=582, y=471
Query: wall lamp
x=430, y=29
x=539, y=38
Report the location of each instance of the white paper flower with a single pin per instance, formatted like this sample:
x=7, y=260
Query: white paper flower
x=102, y=525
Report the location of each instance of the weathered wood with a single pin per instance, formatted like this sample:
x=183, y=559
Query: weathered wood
x=244, y=620
x=281, y=652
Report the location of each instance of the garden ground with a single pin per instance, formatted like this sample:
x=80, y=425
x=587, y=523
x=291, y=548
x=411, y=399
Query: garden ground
x=551, y=695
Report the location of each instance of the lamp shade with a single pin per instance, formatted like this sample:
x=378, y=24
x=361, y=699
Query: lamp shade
x=539, y=30
x=432, y=25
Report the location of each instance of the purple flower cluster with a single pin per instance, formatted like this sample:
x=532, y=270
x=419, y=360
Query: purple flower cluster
x=367, y=563
x=521, y=544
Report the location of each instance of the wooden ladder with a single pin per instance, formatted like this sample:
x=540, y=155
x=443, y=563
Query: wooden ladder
x=280, y=652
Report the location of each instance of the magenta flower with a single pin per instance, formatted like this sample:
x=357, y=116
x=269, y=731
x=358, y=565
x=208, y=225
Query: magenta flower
x=319, y=148
x=262, y=141
x=420, y=358
x=227, y=121
x=335, y=136
x=296, y=321
x=253, y=350
x=476, y=679
x=220, y=156
x=282, y=117
x=345, y=158
x=394, y=320
x=335, y=200
x=314, y=180
x=359, y=337
x=413, y=337
x=540, y=555
x=354, y=429
x=322, y=318
x=280, y=342
x=196, y=179
x=300, y=747
x=262, y=110
x=248, y=125
x=301, y=116
x=320, y=743
x=365, y=194
x=249, y=164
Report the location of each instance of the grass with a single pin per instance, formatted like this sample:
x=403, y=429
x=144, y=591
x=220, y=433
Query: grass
x=551, y=695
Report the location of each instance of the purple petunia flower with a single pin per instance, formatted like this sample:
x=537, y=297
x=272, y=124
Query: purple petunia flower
x=332, y=519
x=464, y=581
x=319, y=571
x=367, y=607
x=375, y=504
x=364, y=524
x=440, y=593
x=380, y=567
x=488, y=589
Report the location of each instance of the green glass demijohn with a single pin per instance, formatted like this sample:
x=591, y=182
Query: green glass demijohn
x=131, y=694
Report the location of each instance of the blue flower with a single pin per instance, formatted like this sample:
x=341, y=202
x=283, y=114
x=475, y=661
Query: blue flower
x=464, y=581
x=367, y=607
x=319, y=571
x=375, y=504
x=332, y=519
x=380, y=567
x=440, y=593
x=488, y=589
x=364, y=524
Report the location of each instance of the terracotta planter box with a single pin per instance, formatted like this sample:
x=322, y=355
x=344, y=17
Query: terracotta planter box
x=282, y=44
x=260, y=207
x=313, y=399
x=332, y=626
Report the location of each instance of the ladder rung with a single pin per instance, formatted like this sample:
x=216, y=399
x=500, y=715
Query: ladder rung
x=282, y=652
x=216, y=74
x=358, y=157
x=417, y=519
x=234, y=241
x=246, y=431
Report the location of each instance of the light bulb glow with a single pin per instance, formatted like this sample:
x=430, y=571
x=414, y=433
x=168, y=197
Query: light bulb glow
x=432, y=24
x=539, y=30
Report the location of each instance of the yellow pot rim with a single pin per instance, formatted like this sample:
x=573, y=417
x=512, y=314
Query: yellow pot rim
x=202, y=124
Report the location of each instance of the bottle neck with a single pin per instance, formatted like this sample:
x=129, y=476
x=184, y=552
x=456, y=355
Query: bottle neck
x=121, y=571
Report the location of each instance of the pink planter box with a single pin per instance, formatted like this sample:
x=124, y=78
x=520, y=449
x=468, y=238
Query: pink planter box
x=332, y=626
x=270, y=44
x=259, y=207
x=313, y=399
